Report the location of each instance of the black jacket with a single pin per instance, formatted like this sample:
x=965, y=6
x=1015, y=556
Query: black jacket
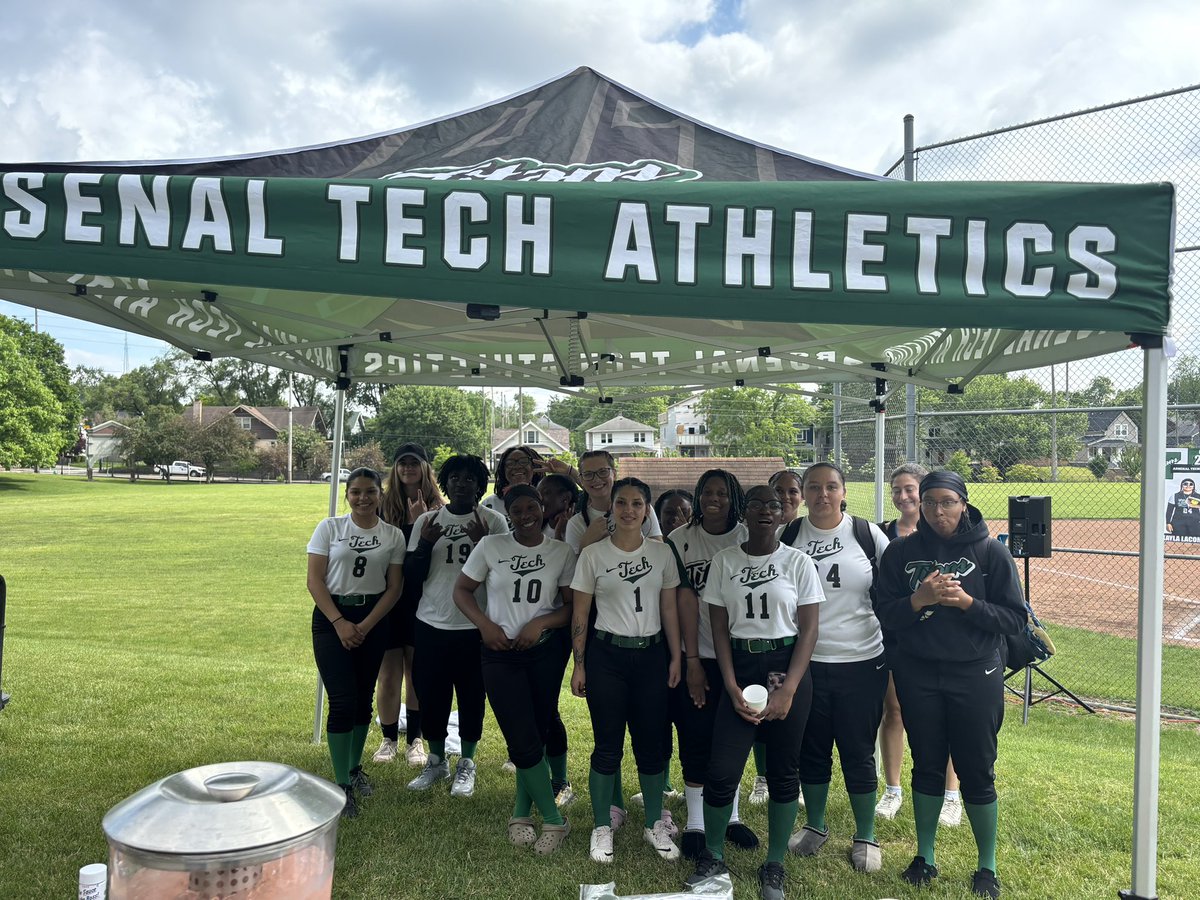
x=986, y=571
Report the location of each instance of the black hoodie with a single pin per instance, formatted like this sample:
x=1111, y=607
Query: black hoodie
x=986, y=571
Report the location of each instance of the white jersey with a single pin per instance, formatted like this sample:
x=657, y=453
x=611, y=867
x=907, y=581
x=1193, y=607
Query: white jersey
x=849, y=631
x=696, y=549
x=522, y=582
x=358, y=558
x=446, y=561
x=495, y=503
x=576, y=526
x=762, y=593
x=626, y=586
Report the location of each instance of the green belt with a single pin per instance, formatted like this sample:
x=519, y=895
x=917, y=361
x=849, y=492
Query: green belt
x=762, y=645
x=636, y=643
x=355, y=599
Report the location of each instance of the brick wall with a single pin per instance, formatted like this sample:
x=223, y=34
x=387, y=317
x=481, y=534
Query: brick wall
x=682, y=472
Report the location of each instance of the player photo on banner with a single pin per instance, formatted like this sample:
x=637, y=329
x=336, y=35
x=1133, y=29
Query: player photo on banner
x=1183, y=498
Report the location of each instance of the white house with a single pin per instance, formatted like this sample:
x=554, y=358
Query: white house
x=622, y=437
x=683, y=429
x=1109, y=434
x=546, y=437
x=102, y=441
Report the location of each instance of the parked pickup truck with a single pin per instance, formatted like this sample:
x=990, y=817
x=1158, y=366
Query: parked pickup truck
x=180, y=467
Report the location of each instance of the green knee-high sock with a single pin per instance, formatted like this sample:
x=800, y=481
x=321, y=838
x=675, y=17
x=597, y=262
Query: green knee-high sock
x=652, y=791
x=522, y=799
x=536, y=781
x=716, y=820
x=863, y=806
x=618, y=793
x=468, y=749
x=601, y=788
x=558, y=767
x=760, y=760
x=358, y=741
x=816, y=798
x=339, y=754
x=985, y=819
x=438, y=749
x=926, y=809
x=781, y=819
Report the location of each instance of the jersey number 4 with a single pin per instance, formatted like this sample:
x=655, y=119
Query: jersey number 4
x=834, y=577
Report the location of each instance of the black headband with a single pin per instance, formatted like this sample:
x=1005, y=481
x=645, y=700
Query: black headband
x=949, y=480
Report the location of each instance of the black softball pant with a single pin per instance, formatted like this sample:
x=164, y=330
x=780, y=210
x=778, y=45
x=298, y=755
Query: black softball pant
x=847, y=707
x=951, y=710
x=348, y=675
x=446, y=664
x=627, y=686
x=522, y=687
x=734, y=737
x=556, y=733
x=695, y=725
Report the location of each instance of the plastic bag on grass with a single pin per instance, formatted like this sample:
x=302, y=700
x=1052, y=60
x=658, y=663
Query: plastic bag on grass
x=718, y=888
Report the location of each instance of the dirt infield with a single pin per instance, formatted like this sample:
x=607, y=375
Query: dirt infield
x=1100, y=592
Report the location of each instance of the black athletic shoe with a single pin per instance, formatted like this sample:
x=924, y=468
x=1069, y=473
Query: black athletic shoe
x=691, y=844
x=770, y=881
x=707, y=866
x=350, y=810
x=361, y=784
x=740, y=835
x=984, y=883
x=919, y=872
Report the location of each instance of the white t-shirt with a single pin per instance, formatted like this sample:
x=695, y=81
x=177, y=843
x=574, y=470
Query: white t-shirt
x=358, y=558
x=849, y=631
x=696, y=548
x=762, y=593
x=626, y=586
x=576, y=526
x=449, y=554
x=495, y=503
x=522, y=582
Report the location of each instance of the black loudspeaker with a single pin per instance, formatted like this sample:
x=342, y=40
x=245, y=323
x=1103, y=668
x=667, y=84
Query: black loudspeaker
x=1029, y=526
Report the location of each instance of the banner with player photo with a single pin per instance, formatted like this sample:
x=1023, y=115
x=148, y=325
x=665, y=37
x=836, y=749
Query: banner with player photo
x=1183, y=499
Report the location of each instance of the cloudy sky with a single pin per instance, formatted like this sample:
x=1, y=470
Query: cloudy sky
x=831, y=79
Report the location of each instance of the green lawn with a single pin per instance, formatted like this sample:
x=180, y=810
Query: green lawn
x=1099, y=500
x=155, y=627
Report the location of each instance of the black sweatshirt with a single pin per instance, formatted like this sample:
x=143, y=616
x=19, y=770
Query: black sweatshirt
x=986, y=571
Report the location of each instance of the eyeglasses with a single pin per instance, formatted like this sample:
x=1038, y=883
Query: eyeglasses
x=596, y=474
x=772, y=505
x=521, y=464
x=944, y=505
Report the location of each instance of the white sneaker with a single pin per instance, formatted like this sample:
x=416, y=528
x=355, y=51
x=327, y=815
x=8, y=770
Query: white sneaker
x=386, y=752
x=659, y=837
x=435, y=770
x=889, y=804
x=759, y=793
x=602, y=845
x=951, y=815
x=464, y=779
x=416, y=755
x=509, y=766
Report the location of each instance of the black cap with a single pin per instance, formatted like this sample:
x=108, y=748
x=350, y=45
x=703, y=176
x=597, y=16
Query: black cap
x=410, y=449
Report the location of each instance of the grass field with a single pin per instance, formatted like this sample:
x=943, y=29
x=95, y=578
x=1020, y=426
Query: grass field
x=1100, y=500
x=155, y=627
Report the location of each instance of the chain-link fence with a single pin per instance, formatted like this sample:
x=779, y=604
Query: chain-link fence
x=1073, y=432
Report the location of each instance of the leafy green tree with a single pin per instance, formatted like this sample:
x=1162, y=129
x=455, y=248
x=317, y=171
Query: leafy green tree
x=46, y=355
x=430, y=416
x=754, y=422
x=370, y=455
x=1132, y=461
x=1184, y=386
x=1099, y=465
x=224, y=443
x=158, y=385
x=30, y=414
x=960, y=464
x=272, y=460
x=310, y=453
x=230, y=382
x=157, y=438
x=579, y=412
x=441, y=453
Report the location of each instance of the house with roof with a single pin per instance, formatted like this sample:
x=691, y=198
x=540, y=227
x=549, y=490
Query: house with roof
x=540, y=433
x=684, y=430
x=622, y=437
x=265, y=423
x=1110, y=432
x=102, y=443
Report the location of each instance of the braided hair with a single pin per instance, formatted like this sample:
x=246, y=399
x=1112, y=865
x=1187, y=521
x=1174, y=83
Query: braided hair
x=502, y=476
x=737, y=497
x=465, y=462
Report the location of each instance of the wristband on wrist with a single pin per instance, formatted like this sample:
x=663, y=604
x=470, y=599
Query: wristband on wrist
x=693, y=657
x=335, y=621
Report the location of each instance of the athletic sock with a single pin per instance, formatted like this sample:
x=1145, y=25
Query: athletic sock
x=984, y=818
x=618, y=793
x=894, y=789
x=716, y=820
x=652, y=791
x=558, y=768
x=694, y=796
x=438, y=749
x=522, y=799
x=601, y=788
x=760, y=759
x=734, y=816
x=926, y=809
x=468, y=749
x=391, y=732
x=412, y=725
x=536, y=782
x=358, y=741
x=781, y=819
x=955, y=795
x=816, y=797
x=863, y=806
x=339, y=754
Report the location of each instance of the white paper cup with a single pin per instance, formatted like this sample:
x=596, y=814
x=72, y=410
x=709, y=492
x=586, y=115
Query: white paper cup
x=755, y=696
x=93, y=882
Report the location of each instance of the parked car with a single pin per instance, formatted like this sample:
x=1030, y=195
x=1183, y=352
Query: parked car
x=343, y=475
x=180, y=467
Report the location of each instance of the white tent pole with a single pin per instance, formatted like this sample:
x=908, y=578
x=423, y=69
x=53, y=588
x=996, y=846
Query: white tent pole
x=1150, y=625
x=335, y=467
x=880, y=404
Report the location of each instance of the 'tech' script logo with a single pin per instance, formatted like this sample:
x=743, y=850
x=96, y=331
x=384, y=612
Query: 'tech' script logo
x=920, y=569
